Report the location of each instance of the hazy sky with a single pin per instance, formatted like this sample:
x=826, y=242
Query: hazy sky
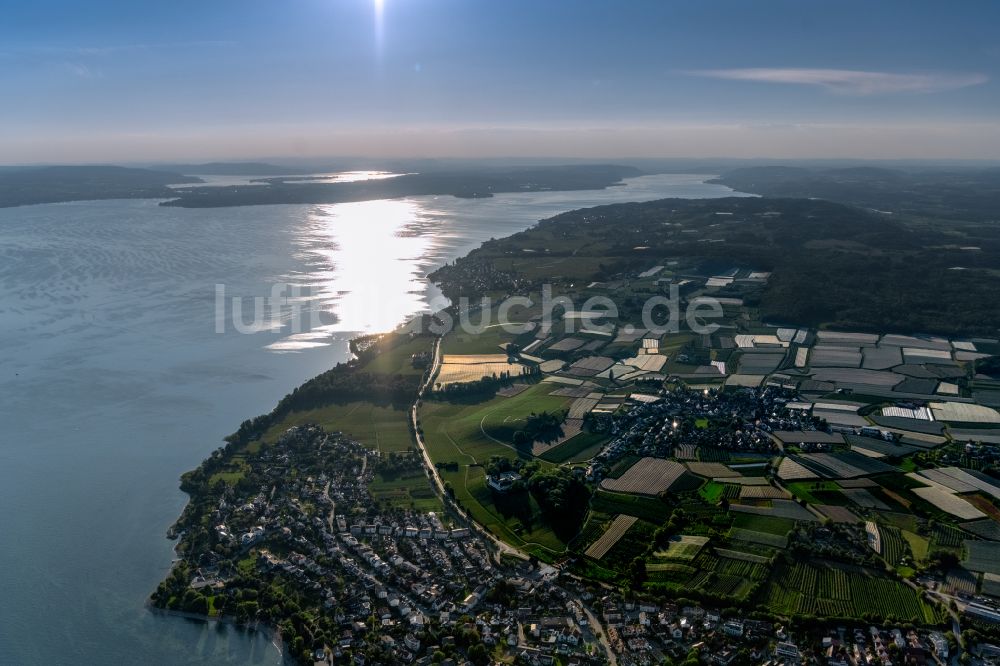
x=146, y=80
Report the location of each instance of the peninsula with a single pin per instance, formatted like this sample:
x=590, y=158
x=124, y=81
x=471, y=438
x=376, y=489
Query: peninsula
x=807, y=479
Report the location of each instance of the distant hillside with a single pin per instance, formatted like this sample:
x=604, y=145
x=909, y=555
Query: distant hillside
x=833, y=265
x=22, y=187
x=237, y=169
x=471, y=183
x=962, y=193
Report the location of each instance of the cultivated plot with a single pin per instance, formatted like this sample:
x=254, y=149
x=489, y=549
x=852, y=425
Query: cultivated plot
x=649, y=476
x=682, y=547
x=982, y=556
x=615, y=531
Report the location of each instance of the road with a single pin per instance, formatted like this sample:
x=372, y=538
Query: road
x=502, y=547
x=433, y=471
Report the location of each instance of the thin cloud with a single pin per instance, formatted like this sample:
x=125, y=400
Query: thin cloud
x=84, y=71
x=848, y=81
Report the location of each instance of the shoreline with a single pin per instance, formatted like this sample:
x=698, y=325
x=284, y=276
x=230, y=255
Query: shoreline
x=272, y=633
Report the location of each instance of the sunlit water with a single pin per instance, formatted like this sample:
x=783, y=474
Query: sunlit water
x=113, y=381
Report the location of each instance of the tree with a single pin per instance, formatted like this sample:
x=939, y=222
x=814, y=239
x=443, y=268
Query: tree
x=479, y=655
x=637, y=572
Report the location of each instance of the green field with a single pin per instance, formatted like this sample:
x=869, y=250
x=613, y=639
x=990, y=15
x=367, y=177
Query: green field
x=469, y=434
x=766, y=524
x=817, y=492
x=472, y=432
x=383, y=428
x=580, y=448
x=397, y=360
x=713, y=491
x=487, y=342
x=232, y=473
x=406, y=492
x=682, y=548
x=918, y=545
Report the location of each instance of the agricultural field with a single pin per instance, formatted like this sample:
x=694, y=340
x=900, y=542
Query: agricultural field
x=991, y=585
x=946, y=537
x=828, y=589
x=406, y=492
x=472, y=432
x=649, y=476
x=761, y=538
x=726, y=576
x=779, y=509
x=632, y=544
x=791, y=470
x=982, y=556
x=579, y=448
x=767, y=524
x=918, y=545
x=761, y=492
x=651, y=509
x=713, y=491
x=985, y=528
x=682, y=547
x=486, y=342
x=742, y=556
x=945, y=500
x=460, y=369
x=864, y=499
x=619, y=526
x=716, y=575
x=838, y=514
x=847, y=465
x=711, y=470
x=894, y=547
x=817, y=492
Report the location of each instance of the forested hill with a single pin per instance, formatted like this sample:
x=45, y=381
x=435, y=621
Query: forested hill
x=958, y=194
x=35, y=185
x=832, y=264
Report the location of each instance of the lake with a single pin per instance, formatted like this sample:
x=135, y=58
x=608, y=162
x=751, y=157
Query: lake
x=114, y=380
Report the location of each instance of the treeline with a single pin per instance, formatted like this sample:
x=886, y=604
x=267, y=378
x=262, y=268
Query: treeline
x=345, y=382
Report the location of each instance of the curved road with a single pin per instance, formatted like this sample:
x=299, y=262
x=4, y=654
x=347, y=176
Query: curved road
x=596, y=627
